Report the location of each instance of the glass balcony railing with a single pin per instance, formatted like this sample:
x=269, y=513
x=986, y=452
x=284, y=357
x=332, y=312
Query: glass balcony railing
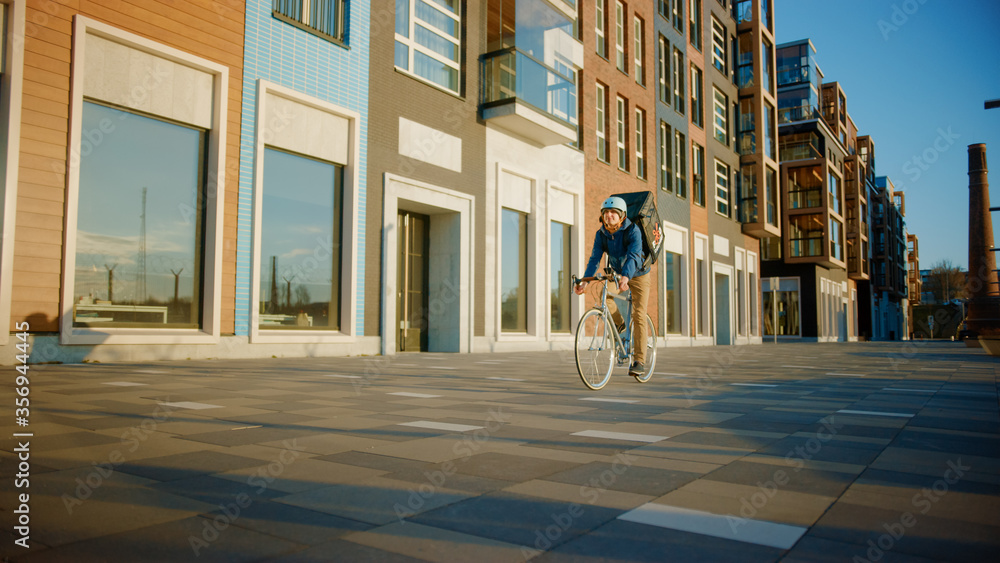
x=804, y=247
x=791, y=115
x=511, y=74
x=798, y=74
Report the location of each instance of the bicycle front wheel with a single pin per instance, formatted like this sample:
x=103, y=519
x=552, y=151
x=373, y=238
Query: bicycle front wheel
x=650, y=352
x=595, y=349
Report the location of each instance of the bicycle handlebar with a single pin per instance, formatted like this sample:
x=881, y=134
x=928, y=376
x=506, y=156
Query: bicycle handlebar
x=597, y=277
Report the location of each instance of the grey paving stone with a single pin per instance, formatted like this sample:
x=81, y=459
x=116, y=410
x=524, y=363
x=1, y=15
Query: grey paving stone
x=489, y=516
x=183, y=466
x=629, y=478
x=823, y=483
x=620, y=541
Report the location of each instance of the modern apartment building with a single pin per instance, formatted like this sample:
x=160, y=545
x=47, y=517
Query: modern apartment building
x=808, y=293
x=889, y=258
x=914, y=283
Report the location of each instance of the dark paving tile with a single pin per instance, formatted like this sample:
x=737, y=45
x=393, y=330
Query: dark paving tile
x=216, y=490
x=949, y=423
x=620, y=541
x=250, y=436
x=190, y=539
x=841, y=451
x=490, y=516
x=987, y=446
x=625, y=478
x=80, y=439
x=813, y=481
x=376, y=461
x=505, y=467
x=723, y=439
x=909, y=483
x=811, y=549
x=909, y=532
x=188, y=465
x=297, y=525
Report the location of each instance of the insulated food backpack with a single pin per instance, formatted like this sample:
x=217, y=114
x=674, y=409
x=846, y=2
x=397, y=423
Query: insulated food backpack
x=641, y=210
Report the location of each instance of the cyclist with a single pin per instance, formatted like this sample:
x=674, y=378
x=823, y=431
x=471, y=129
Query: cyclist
x=621, y=240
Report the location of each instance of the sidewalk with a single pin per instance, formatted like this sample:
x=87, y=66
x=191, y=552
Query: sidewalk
x=792, y=452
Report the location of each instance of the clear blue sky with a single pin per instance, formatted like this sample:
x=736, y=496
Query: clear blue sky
x=916, y=74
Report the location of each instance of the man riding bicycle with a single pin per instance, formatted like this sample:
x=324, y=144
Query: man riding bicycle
x=621, y=240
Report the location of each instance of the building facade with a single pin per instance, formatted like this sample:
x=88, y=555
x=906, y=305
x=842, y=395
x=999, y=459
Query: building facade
x=889, y=264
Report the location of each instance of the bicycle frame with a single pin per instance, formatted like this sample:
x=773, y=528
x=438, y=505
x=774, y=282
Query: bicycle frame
x=623, y=341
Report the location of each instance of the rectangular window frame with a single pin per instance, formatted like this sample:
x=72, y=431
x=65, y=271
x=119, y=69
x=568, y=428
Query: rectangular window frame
x=640, y=143
x=720, y=113
x=663, y=68
x=697, y=98
x=723, y=189
x=720, y=55
x=211, y=312
x=294, y=12
x=601, y=123
x=677, y=81
x=698, y=174
x=349, y=226
x=413, y=46
x=622, y=137
x=639, y=50
x=600, y=27
x=620, y=61
x=665, y=173
x=680, y=163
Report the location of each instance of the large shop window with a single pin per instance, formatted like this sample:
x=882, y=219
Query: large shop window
x=514, y=272
x=301, y=235
x=428, y=40
x=140, y=231
x=674, y=272
x=781, y=307
x=559, y=279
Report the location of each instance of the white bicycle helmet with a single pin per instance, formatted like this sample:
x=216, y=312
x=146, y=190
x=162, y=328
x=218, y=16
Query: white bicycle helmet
x=615, y=203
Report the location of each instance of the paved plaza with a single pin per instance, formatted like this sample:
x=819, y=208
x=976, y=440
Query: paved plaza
x=851, y=452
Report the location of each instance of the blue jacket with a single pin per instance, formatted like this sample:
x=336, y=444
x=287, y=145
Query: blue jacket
x=624, y=250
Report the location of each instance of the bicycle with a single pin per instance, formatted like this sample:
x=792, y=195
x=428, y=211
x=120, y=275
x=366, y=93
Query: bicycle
x=598, y=344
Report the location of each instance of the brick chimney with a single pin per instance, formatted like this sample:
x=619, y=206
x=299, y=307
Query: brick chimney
x=984, y=313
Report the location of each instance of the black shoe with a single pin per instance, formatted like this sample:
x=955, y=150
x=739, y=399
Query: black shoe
x=636, y=369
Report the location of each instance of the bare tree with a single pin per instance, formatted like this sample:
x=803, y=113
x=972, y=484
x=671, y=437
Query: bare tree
x=947, y=281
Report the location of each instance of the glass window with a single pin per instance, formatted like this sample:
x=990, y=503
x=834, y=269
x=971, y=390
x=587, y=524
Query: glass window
x=721, y=105
x=744, y=60
x=428, y=40
x=678, y=15
x=639, y=50
x=140, y=235
x=747, y=193
x=602, y=122
x=675, y=290
x=836, y=240
x=695, y=23
x=805, y=187
x=746, y=129
x=719, y=46
x=741, y=303
x=781, y=308
x=620, y=36
x=663, y=63
x=323, y=16
x=805, y=235
x=771, y=179
x=680, y=163
x=697, y=105
x=560, y=263
x=701, y=301
x=721, y=188
x=666, y=141
x=300, y=243
x=770, y=148
x=835, y=202
x=622, y=135
x=640, y=145
x=698, y=169
x=765, y=65
x=599, y=25
x=678, y=81
x=514, y=271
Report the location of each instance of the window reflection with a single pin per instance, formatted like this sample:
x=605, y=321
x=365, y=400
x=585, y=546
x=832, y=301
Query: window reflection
x=514, y=272
x=560, y=297
x=140, y=222
x=300, y=243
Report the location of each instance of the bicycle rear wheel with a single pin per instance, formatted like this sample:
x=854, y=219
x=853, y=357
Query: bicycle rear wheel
x=595, y=349
x=650, y=352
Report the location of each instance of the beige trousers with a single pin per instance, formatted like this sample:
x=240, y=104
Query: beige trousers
x=640, y=299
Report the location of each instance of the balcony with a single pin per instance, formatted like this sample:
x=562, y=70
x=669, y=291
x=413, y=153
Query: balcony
x=528, y=98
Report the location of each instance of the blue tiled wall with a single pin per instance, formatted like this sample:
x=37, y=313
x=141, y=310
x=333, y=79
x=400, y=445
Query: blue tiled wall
x=285, y=55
